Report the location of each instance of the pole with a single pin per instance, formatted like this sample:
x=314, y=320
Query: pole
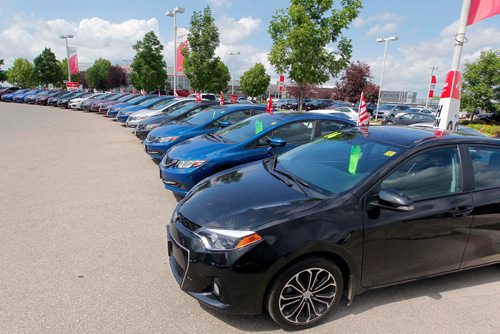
x=232, y=81
x=67, y=59
x=430, y=86
x=381, y=79
x=175, y=53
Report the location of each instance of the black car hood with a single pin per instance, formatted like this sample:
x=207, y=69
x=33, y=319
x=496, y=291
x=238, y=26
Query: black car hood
x=157, y=119
x=245, y=197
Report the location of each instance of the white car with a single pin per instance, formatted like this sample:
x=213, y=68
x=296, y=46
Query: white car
x=349, y=114
x=168, y=106
x=76, y=103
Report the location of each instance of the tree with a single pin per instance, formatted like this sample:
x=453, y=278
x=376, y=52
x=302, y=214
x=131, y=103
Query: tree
x=481, y=83
x=47, y=69
x=200, y=66
x=255, y=81
x=97, y=74
x=355, y=79
x=371, y=92
x=116, y=77
x=303, y=36
x=149, y=70
x=3, y=74
x=21, y=73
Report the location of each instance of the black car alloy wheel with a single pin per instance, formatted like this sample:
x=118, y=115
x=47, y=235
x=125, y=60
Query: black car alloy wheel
x=304, y=293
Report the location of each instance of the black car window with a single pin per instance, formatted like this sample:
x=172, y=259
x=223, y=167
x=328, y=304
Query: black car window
x=328, y=126
x=486, y=166
x=408, y=116
x=234, y=117
x=428, y=175
x=293, y=133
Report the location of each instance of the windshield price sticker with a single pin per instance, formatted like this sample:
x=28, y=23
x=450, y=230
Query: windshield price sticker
x=354, y=159
x=259, y=127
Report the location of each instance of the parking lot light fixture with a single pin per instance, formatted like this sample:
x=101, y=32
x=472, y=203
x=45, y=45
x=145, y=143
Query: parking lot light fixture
x=65, y=37
x=234, y=54
x=173, y=13
x=383, y=40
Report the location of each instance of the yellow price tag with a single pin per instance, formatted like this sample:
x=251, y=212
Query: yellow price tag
x=389, y=153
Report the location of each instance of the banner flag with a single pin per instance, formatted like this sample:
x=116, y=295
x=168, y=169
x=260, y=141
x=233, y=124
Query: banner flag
x=180, y=58
x=482, y=9
x=432, y=87
x=73, y=60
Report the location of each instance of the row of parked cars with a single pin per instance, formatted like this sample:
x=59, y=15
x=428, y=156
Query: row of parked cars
x=287, y=212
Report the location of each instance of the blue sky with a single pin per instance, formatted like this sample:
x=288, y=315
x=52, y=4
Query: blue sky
x=108, y=29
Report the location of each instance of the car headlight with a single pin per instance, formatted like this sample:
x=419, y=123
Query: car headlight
x=167, y=139
x=116, y=109
x=151, y=126
x=222, y=240
x=189, y=163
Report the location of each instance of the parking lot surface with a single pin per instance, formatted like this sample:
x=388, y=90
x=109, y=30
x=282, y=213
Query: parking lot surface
x=83, y=249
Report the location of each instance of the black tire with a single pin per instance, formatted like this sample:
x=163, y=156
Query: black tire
x=389, y=123
x=178, y=197
x=290, y=304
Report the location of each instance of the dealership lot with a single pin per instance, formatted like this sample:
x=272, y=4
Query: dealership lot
x=83, y=249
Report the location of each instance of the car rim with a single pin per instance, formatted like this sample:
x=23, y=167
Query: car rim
x=307, y=296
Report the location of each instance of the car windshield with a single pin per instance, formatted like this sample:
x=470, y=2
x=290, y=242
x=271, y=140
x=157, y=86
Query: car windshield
x=137, y=99
x=387, y=107
x=150, y=101
x=206, y=116
x=125, y=98
x=183, y=108
x=249, y=128
x=163, y=104
x=338, y=161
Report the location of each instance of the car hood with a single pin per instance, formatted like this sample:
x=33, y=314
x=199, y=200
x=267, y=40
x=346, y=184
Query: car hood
x=156, y=119
x=121, y=105
x=147, y=113
x=79, y=99
x=246, y=197
x=199, y=148
x=133, y=108
x=172, y=129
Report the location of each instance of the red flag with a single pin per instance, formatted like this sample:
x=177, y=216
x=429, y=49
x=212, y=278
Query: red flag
x=180, y=58
x=363, y=119
x=282, y=78
x=269, y=107
x=159, y=94
x=73, y=60
x=452, y=85
x=482, y=9
x=221, y=98
x=281, y=88
x=134, y=91
x=432, y=87
x=198, y=97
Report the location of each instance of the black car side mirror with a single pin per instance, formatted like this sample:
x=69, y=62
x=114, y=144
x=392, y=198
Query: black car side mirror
x=392, y=200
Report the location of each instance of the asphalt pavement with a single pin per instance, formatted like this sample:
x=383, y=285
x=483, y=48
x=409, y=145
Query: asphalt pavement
x=83, y=246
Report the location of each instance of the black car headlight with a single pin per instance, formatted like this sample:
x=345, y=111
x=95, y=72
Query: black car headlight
x=223, y=240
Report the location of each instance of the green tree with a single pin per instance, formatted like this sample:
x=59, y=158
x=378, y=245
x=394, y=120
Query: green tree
x=97, y=74
x=47, y=69
x=21, y=73
x=149, y=70
x=255, y=81
x=481, y=83
x=3, y=74
x=303, y=35
x=204, y=71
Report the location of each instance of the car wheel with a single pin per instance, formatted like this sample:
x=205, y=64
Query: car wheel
x=389, y=123
x=178, y=197
x=304, y=293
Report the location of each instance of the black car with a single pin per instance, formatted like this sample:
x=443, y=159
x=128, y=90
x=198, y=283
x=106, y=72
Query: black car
x=352, y=211
x=408, y=118
x=184, y=111
x=312, y=104
x=52, y=101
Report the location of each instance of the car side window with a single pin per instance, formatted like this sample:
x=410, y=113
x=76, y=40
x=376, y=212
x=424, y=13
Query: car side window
x=328, y=126
x=486, y=167
x=428, y=175
x=234, y=117
x=293, y=133
x=408, y=116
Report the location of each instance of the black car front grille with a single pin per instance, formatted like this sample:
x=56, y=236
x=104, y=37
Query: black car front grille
x=169, y=161
x=187, y=223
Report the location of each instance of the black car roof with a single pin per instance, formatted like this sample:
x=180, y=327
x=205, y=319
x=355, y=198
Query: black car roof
x=409, y=137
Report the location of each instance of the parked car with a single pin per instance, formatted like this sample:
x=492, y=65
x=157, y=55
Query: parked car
x=136, y=104
x=312, y=104
x=463, y=130
x=387, y=110
x=408, y=118
x=175, y=114
x=63, y=102
x=420, y=110
x=8, y=97
x=350, y=212
x=255, y=138
x=164, y=107
x=161, y=139
x=77, y=102
x=43, y=99
x=87, y=104
x=118, y=98
x=8, y=90
x=19, y=97
x=52, y=101
x=104, y=106
x=31, y=99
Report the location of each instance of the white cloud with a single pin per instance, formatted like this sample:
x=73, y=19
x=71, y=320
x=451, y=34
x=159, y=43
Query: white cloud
x=233, y=31
x=220, y=3
x=380, y=23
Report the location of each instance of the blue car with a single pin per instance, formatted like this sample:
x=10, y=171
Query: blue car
x=256, y=138
x=19, y=98
x=10, y=96
x=129, y=108
x=161, y=139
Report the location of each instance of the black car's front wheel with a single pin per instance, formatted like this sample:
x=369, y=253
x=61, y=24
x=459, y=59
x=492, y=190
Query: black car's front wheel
x=304, y=293
x=389, y=123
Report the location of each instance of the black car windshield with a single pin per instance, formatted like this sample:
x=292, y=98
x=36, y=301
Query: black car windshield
x=184, y=108
x=163, y=104
x=249, y=128
x=206, y=116
x=338, y=161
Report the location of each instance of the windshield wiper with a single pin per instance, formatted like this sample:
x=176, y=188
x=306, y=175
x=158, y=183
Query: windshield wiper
x=289, y=179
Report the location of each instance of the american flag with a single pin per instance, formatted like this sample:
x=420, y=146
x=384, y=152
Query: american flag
x=221, y=98
x=363, y=119
x=269, y=107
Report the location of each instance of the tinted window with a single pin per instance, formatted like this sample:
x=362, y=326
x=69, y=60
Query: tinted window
x=332, y=126
x=249, y=128
x=428, y=175
x=297, y=132
x=235, y=117
x=486, y=165
x=408, y=116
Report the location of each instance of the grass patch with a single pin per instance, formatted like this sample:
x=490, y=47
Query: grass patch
x=488, y=129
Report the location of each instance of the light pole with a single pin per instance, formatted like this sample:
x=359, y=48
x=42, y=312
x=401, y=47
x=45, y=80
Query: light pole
x=430, y=85
x=234, y=54
x=65, y=37
x=173, y=13
x=380, y=40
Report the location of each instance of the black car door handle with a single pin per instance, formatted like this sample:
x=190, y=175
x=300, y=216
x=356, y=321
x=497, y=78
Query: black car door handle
x=461, y=211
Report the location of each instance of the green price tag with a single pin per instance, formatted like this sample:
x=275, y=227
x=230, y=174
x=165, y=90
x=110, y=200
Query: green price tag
x=354, y=159
x=259, y=127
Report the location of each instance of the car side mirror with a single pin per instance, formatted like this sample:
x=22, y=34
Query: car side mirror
x=392, y=200
x=277, y=142
x=224, y=124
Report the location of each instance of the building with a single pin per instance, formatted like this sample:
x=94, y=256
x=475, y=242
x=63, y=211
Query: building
x=394, y=96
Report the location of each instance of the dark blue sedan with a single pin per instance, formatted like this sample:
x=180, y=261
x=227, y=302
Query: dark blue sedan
x=10, y=96
x=126, y=109
x=252, y=139
x=161, y=139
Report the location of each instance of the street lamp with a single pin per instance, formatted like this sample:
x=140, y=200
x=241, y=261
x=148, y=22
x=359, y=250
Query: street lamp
x=234, y=54
x=380, y=40
x=430, y=85
x=173, y=13
x=65, y=37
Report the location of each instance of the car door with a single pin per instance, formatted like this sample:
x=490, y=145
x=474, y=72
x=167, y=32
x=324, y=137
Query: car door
x=483, y=246
x=295, y=134
x=431, y=238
